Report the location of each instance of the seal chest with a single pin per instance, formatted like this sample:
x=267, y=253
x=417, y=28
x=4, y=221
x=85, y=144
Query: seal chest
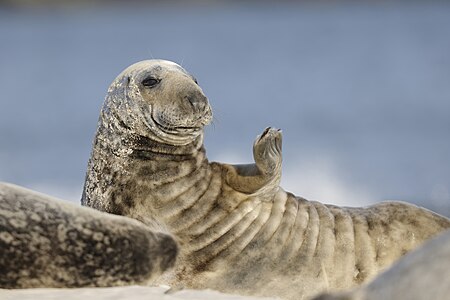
x=238, y=230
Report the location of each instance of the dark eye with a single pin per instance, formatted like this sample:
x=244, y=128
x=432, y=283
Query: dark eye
x=150, y=81
x=195, y=80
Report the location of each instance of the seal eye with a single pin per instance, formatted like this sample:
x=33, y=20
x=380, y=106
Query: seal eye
x=150, y=81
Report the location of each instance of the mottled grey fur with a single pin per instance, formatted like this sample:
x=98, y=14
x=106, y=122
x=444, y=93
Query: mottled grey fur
x=238, y=230
x=46, y=242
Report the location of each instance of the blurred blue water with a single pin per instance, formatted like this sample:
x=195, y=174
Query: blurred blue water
x=362, y=92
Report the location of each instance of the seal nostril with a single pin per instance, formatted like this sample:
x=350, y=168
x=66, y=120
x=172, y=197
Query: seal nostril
x=198, y=103
x=191, y=101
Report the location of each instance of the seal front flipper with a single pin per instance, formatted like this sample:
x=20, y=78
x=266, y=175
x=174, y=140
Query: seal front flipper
x=265, y=172
x=267, y=152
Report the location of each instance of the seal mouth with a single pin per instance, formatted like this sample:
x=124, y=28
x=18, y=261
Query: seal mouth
x=171, y=129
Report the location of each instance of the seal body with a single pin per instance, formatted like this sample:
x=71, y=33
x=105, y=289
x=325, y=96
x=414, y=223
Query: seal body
x=238, y=230
x=420, y=275
x=45, y=242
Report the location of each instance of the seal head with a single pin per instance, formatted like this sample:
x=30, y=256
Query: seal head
x=159, y=100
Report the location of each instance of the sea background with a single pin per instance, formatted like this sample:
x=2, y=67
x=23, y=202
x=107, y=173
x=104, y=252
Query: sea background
x=360, y=90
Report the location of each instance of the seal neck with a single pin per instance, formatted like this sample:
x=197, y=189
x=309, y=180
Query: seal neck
x=145, y=147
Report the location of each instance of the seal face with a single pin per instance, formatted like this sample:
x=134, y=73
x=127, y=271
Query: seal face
x=160, y=100
x=174, y=111
x=238, y=230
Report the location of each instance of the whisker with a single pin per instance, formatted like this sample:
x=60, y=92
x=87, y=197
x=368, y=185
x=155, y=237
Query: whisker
x=182, y=62
x=151, y=54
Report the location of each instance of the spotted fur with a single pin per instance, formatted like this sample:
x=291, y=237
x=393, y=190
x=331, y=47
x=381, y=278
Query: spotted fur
x=47, y=242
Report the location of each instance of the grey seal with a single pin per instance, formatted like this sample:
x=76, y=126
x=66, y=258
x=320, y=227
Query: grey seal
x=46, y=242
x=238, y=230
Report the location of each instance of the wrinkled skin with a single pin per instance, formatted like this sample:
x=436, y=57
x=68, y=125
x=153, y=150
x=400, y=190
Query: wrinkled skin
x=238, y=230
x=420, y=275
